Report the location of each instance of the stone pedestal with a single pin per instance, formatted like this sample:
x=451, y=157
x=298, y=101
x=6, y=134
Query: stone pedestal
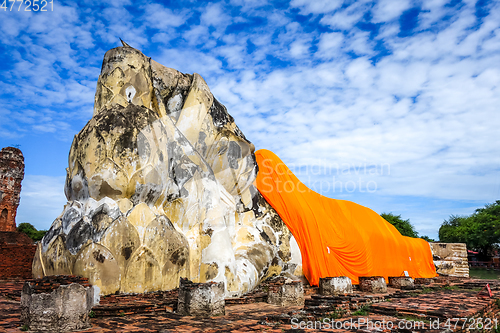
x=290, y=293
x=201, y=299
x=423, y=281
x=338, y=285
x=64, y=309
x=401, y=282
x=450, y=259
x=372, y=284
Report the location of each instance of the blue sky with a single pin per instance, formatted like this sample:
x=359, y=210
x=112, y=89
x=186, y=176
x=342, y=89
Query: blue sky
x=391, y=104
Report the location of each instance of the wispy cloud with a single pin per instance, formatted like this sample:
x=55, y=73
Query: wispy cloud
x=42, y=200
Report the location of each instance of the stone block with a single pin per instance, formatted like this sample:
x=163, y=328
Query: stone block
x=290, y=293
x=423, y=281
x=64, y=309
x=335, y=285
x=201, y=299
x=372, y=284
x=450, y=259
x=401, y=282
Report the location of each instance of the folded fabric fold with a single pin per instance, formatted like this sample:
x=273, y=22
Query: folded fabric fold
x=339, y=237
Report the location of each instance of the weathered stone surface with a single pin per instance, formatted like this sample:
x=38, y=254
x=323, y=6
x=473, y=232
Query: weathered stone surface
x=401, y=282
x=201, y=299
x=11, y=175
x=290, y=293
x=450, y=259
x=160, y=186
x=423, y=281
x=64, y=309
x=329, y=286
x=372, y=284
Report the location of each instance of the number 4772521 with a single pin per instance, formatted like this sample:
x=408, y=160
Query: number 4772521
x=27, y=5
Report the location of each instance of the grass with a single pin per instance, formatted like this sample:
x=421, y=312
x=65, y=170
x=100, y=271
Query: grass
x=426, y=290
x=91, y=314
x=362, y=311
x=451, y=288
x=481, y=273
x=336, y=314
x=25, y=328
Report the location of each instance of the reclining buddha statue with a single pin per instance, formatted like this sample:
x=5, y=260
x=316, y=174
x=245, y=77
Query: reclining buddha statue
x=162, y=184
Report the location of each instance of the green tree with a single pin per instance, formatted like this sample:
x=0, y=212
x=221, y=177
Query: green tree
x=31, y=231
x=452, y=230
x=480, y=231
x=403, y=226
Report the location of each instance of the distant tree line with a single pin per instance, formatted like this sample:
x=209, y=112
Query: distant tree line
x=480, y=231
x=403, y=226
x=31, y=231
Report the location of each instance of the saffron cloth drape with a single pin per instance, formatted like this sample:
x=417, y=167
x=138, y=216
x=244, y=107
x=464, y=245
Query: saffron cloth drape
x=339, y=237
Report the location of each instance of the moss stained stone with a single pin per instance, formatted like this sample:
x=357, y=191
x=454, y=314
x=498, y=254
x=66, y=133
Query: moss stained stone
x=159, y=187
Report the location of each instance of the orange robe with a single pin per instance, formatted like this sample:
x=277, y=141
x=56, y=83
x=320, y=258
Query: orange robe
x=339, y=237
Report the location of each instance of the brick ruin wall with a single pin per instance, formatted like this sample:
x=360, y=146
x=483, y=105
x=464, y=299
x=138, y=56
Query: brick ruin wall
x=451, y=259
x=11, y=175
x=16, y=255
x=16, y=249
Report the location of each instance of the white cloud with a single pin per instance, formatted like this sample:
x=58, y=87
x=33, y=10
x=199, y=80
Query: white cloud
x=214, y=15
x=345, y=19
x=159, y=17
x=388, y=10
x=359, y=43
x=190, y=61
x=360, y=73
x=316, y=7
x=196, y=35
x=299, y=48
x=42, y=200
x=329, y=44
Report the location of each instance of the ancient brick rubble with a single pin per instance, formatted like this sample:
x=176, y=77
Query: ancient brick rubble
x=16, y=255
x=11, y=175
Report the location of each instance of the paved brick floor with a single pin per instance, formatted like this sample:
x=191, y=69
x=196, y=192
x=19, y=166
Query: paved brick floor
x=425, y=307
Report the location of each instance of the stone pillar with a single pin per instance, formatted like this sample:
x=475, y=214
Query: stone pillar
x=201, y=299
x=64, y=309
x=329, y=286
x=11, y=175
x=401, y=282
x=290, y=293
x=372, y=284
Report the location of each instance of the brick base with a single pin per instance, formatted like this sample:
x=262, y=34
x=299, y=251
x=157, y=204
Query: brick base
x=16, y=256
